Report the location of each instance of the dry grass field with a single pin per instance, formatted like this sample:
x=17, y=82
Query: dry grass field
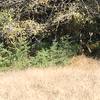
x=78, y=81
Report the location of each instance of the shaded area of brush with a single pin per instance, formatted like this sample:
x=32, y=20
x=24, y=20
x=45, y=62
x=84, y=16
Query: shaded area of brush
x=35, y=26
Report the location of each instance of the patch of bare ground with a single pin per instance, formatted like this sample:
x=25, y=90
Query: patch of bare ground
x=68, y=83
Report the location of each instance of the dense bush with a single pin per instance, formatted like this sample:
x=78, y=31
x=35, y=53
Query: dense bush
x=31, y=31
x=5, y=57
x=58, y=53
x=17, y=55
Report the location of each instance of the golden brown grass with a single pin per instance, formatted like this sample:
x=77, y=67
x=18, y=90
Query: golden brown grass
x=68, y=83
x=84, y=62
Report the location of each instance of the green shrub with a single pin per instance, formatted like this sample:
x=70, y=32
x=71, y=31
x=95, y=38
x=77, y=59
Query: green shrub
x=59, y=53
x=20, y=53
x=5, y=57
x=15, y=56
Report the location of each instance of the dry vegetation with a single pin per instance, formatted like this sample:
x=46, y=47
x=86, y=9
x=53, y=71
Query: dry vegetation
x=43, y=33
x=68, y=83
x=47, y=32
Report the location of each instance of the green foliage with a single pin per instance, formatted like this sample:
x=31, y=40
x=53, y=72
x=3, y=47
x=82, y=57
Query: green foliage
x=20, y=53
x=15, y=56
x=5, y=57
x=59, y=53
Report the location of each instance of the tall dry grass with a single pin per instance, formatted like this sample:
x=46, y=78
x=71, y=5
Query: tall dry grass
x=68, y=83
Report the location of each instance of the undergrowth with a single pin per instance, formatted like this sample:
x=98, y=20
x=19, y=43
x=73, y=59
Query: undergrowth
x=34, y=33
x=59, y=53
